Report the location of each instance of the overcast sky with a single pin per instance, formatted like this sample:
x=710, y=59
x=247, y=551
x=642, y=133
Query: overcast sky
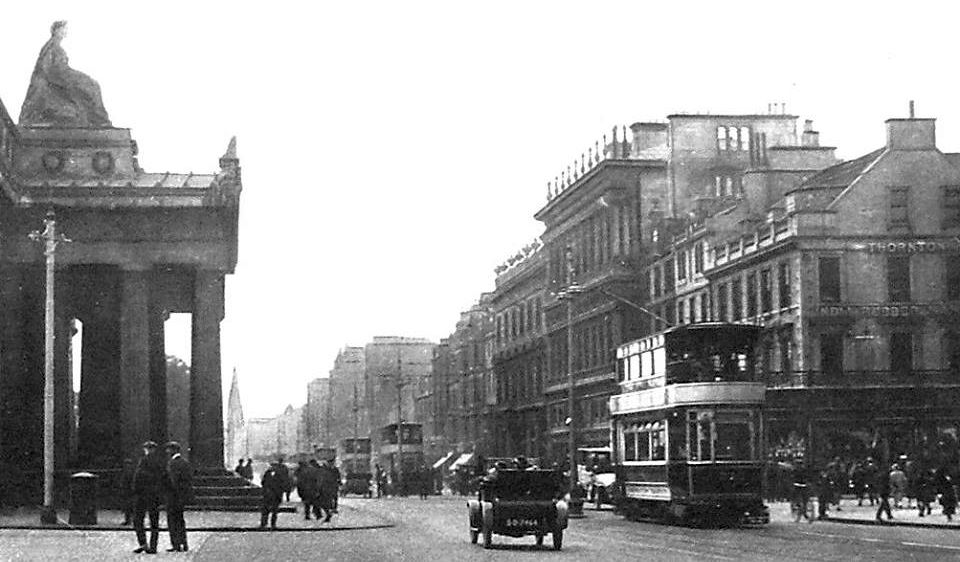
x=394, y=153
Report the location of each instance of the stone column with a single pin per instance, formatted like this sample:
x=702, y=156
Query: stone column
x=158, y=374
x=135, y=403
x=11, y=361
x=206, y=401
x=99, y=424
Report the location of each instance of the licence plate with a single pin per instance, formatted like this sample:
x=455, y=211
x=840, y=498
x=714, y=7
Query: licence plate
x=515, y=522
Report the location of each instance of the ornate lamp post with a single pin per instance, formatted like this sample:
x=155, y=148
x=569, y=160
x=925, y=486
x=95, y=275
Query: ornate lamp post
x=50, y=238
x=571, y=289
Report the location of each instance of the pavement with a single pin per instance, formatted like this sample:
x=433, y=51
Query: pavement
x=850, y=512
x=350, y=517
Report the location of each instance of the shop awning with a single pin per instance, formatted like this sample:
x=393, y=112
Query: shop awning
x=443, y=460
x=462, y=460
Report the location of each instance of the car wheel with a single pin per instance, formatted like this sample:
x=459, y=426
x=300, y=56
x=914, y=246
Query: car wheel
x=557, y=539
x=473, y=536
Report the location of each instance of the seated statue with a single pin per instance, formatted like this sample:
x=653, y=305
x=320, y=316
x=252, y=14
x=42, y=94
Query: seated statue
x=59, y=95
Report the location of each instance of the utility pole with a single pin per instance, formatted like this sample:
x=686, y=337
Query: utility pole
x=50, y=238
x=355, y=430
x=576, y=503
x=399, y=419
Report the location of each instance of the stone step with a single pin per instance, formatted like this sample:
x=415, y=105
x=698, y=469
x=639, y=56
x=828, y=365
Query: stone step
x=251, y=491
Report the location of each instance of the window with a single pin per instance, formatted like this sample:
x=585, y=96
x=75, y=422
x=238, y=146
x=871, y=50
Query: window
x=751, y=294
x=721, y=435
x=644, y=442
x=733, y=138
x=745, y=138
x=681, y=266
x=766, y=291
x=831, y=353
x=952, y=264
x=898, y=278
x=698, y=258
x=830, y=279
x=722, y=138
x=951, y=206
x=736, y=295
x=682, y=312
x=899, y=209
x=784, y=278
x=704, y=307
x=901, y=353
x=722, y=303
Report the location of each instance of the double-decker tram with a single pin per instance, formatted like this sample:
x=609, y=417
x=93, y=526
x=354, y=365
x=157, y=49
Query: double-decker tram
x=687, y=428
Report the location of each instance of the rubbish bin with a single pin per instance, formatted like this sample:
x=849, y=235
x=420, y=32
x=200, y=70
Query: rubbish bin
x=83, y=499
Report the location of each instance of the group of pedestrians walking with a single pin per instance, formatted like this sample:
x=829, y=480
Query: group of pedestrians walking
x=890, y=488
x=158, y=479
x=317, y=484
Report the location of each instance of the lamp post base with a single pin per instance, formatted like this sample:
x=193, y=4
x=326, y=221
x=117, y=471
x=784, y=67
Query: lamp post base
x=48, y=515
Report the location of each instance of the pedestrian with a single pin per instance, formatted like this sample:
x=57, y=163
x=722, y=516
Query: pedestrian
x=273, y=487
x=378, y=476
x=858, y=481
x=125, y=489
x=824, y=493
x=284, y=473
x=307, y=476
x=912, y=471
x=838, y=481
x=248, y=470
x=337, y=479
x=327, y=490
x=883, y=490
x=948, y=497
x=870, y=479
x=148, y=480
x=239, y=468
x=926, y=492
x=898, y=485
x=801, y=491
x=179, y=494
x=424, y=482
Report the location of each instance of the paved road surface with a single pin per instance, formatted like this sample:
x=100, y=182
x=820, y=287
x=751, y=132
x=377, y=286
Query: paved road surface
x=436, y=529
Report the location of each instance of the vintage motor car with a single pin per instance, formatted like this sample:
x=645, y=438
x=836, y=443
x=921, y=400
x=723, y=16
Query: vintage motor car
x=517, y=503
x=357, y=483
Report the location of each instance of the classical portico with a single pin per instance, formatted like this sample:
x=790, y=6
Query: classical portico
x=142, y=246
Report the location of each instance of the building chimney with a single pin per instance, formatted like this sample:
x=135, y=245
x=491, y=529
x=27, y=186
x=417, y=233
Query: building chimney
x=809, y=138
x=911, y=109
x=911, y=134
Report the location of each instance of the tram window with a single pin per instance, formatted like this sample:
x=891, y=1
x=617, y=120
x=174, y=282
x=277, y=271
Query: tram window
x=630, y=443
x=634, y=367
x=657, y=438
x=733, y=438
x=659, y=361
x=643, y=443
x=646, y=364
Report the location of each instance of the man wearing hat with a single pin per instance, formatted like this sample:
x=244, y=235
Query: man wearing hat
x=148, y=480
x=179, y=493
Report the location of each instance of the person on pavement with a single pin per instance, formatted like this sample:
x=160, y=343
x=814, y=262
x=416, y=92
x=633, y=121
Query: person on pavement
x=898, y=485
x=801, y=491
x=328, y=488
x=307, y=477
x=179, y=493
x=948, y=496
x=273, y=486
x=926, y=491
x=883, y=490
x=284, y=473
x=148, y=480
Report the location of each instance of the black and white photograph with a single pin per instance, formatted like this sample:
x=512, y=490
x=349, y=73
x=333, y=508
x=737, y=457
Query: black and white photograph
x=450, y=281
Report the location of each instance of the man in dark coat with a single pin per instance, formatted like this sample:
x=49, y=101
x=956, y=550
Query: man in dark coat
x=148, y=481
x=883, y=490
x=273, y=486
x=307, y=476
x=179, y=493
x=329, y=486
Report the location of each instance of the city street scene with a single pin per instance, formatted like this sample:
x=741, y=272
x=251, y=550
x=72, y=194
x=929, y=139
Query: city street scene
x=430, y=282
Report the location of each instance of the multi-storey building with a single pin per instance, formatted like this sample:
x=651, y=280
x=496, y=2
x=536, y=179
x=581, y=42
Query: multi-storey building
x=520, y=359
x=345, y=415
x=316, y=416
x=852, y=269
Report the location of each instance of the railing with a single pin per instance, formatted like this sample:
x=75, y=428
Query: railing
x=618, y=148
x=862, y=379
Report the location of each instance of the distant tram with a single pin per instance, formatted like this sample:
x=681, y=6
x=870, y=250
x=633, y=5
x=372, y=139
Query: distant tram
x=354, y=455
x=687, y=428
x=403, y=470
